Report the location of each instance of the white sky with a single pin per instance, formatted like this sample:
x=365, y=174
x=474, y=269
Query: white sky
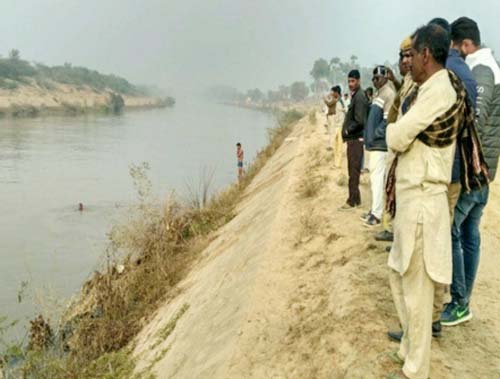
x=243, y=43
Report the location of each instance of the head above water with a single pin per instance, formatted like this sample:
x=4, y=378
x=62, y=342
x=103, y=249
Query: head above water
x=353, y=80
x=430, y=45
x=465, y=36
x=238, y=145
x=379, y=76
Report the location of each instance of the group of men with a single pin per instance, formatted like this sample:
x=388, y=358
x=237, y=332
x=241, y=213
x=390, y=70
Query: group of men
x=434, y=141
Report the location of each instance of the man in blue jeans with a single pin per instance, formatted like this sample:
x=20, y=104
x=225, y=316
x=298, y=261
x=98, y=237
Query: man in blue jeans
x=466, y=237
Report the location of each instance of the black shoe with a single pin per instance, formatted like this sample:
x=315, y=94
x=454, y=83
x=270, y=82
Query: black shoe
x=371, y=222
x=388, y=249
x=365, y=216
x=396, y=336
x=384, y=236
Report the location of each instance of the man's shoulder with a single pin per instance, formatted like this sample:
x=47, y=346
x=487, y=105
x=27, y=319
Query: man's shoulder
x=360, y=96
x=460, y=68
x=387, y=92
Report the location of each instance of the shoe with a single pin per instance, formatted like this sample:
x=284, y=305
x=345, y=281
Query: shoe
x=384, y=236
x=348, y=207
x=365, y=216
x=455, y=314
x=371, y=221
x=388, y=249
x=396, y=336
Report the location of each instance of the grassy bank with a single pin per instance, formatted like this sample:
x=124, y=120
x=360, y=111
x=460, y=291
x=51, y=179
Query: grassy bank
x=149, y=254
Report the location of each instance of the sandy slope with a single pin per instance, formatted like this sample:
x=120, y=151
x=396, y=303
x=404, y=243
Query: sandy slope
x=293, y=288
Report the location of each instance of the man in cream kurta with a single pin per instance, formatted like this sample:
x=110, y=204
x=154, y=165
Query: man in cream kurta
x=421, y=253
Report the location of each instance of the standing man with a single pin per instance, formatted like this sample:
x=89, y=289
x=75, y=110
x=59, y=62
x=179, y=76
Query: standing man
x=239, y=157
x=374, y=138
x=469, y=209
x=456, y=64
x=424, y=141
x=352, y=134
x=337, y=122
x=403, y=90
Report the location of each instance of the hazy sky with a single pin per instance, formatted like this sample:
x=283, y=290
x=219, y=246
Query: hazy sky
x=244, y=43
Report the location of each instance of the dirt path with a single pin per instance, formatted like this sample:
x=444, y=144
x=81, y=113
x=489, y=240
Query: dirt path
x=294, y=288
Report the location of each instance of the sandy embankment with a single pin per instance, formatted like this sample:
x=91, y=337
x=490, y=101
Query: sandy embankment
x=63, y=97
x=293, y=288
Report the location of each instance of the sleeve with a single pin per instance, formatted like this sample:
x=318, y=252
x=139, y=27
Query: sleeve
x=485, y=87
x=360, y=112
x=388, y=101
x=339, y=116
x=429, y=106
x=381, y=129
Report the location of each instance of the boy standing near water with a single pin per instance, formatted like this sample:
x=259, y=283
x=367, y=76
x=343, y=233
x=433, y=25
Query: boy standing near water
x=239, y=156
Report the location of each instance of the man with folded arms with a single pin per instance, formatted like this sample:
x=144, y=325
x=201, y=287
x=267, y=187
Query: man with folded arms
x=424, y=140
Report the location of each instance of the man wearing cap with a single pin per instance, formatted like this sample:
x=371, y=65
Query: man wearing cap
x=424, y=140
x=352, y=134
x=374, y=138
x=403, y=89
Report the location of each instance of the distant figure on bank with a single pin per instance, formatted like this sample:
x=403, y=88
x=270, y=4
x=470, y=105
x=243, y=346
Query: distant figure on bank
x=80, y=207
x=352, y=134
x=239, y=156
x=335, y=120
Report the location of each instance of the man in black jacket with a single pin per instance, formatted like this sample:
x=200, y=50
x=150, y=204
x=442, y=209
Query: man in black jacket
x=352, y=134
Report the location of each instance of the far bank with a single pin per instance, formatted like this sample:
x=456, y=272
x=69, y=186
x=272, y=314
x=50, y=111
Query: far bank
x=32, y=100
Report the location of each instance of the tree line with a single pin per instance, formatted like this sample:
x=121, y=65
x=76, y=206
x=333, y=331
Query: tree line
x=324, y=74
x=14, y=72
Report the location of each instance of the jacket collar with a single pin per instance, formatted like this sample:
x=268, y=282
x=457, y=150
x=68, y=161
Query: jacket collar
x=479, y=56
x=454, y=53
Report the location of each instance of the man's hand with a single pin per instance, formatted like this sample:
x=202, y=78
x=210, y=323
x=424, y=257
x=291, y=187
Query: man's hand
x=392, y=78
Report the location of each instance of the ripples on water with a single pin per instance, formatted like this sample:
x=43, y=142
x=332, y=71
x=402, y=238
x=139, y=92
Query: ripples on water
x=49, y=165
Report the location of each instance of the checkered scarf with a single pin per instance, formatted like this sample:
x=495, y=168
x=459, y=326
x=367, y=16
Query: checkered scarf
x=456, y=124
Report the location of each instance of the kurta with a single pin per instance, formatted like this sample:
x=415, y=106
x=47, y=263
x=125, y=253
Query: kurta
x=422, y=177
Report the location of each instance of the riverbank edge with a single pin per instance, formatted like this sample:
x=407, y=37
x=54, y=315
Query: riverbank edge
x=32, y=111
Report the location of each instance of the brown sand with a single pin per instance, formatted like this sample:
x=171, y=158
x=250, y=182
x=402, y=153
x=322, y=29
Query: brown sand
x=293, y=288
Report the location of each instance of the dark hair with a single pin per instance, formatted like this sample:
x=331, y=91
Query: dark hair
x=435, y=38
x=465, y=28
x=380, y=70
x=337, y=90
x=442, y=23
x=238, y=144
x=354, y=74
x=369, y=90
